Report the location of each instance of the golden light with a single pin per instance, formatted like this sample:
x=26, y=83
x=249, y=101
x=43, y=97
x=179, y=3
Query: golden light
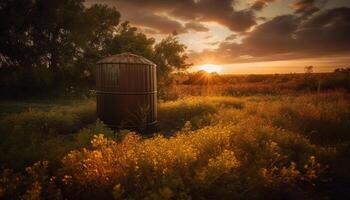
x=210, y=68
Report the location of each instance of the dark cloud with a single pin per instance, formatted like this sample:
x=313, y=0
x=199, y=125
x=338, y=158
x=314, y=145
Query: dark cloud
x=157, y=23
x=144, y=12
x=274, y=36
x=196, y=27
x=327, y=32
x=289, y=37
x=240, y=21
x=162, y=24
x=307, y=7
x=260, y=4
x=231, y=37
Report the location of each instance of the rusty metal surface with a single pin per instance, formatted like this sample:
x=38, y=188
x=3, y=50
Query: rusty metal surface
x=126, y=58
x=126, y=92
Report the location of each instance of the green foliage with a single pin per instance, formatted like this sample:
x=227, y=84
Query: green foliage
x=130, y=39
x=36, y=134
x=61, y=120
x=85, y=135
x=194, y=110
x=169, y=55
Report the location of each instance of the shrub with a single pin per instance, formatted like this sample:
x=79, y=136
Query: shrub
x=322, y=118
x=35, y=183
x=212, y=162
x=196, y=110
x=42, y=122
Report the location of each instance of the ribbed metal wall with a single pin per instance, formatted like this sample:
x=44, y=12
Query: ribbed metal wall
x=123, y=90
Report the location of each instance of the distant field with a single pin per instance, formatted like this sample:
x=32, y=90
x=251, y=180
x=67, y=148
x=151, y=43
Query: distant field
x=223, y=147
x=201, y=83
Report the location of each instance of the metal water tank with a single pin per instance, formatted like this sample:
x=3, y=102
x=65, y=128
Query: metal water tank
x=126, y=90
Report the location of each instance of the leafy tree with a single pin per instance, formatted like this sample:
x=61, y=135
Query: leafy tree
x=53, y=45
x=58, y=39
x=130, y=39
x=97, y=29
x=169, y=55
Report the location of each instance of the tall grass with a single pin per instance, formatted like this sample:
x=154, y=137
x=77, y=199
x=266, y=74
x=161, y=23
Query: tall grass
x=291, y=147
x=174, y=114
x=57, y=120
x=37, y=134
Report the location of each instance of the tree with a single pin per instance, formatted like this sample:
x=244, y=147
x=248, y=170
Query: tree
x=130, y=39
x=96, y=29
x=309, y=69
x=53, y=45
x=170, y=56
x=57, y=38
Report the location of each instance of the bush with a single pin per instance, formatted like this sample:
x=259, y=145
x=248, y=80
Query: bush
x=213, y=162
x=35, y=183
x=174, y=114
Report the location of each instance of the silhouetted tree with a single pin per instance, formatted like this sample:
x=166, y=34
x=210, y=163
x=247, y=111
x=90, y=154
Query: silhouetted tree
x=308, y=69
x=53, y=45
x=169, y=55
x=42, y=41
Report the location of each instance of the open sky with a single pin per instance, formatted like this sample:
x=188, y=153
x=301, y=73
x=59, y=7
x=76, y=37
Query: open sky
x=249, y=36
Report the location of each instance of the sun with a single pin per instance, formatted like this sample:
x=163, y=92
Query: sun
x=210, y=68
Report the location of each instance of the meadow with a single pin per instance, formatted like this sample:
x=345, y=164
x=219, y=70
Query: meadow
x=249, y=145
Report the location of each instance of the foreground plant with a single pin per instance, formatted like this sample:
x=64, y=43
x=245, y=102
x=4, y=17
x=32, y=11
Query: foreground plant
x=220, y=161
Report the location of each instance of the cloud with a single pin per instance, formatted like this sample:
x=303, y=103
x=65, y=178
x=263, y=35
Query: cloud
x=310, y=31
x=274, y=36
x=162, y=24
x=231, y=37
x=196, y=27
x=260, y=4
x=213, y=43
x=307, y=7
x=326, y=32
x=289, y=37
x=145, y=12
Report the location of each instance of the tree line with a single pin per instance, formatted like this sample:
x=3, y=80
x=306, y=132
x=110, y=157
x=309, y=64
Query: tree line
x=52, y=46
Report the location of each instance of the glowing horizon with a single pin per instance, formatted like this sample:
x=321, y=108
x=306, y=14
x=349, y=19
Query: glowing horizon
x=326, y=64
x=210, y=68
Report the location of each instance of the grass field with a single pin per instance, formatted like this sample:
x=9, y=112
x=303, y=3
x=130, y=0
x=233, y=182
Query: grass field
x=213, y=147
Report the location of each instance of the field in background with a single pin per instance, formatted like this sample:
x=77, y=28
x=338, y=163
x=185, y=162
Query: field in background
x=250, y=143
x=202, y=83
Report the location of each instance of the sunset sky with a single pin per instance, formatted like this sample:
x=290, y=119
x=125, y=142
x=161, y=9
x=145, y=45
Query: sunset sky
x=249, y=36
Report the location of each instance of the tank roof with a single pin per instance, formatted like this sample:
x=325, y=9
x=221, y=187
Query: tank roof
x=127, y=58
